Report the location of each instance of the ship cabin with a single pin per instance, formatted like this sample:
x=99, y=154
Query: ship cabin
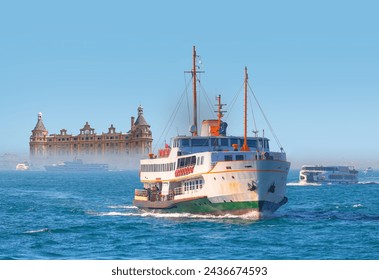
x=187, y=151
x=198, y=144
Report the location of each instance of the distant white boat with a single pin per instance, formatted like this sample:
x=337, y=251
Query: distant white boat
x=22, y=166
x=318, y=174
x=368, y=170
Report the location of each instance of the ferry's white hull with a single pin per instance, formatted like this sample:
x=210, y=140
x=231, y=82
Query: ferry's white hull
x=230, y=187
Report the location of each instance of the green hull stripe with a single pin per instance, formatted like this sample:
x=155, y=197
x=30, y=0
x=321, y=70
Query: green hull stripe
x=203, y=205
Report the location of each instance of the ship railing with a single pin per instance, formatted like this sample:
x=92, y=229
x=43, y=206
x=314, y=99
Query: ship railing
x=179, y=191
x=142, y=193
x=278, y=156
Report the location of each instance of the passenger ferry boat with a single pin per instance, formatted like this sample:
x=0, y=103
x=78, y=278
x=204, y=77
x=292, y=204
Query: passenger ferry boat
x=212, y=173
x=328, y=174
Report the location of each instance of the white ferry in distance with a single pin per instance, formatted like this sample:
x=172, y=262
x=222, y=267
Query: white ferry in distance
x=328, y=174
x=209, y=172
x=368, y=170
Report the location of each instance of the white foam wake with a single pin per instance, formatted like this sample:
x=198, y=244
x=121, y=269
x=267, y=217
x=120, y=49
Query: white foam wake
x=122, y=207
x=248, y=216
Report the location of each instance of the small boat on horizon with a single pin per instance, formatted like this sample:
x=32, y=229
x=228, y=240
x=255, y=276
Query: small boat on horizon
x=23, y=166
x=209, y=172
x=319, y=174
x=368, y=170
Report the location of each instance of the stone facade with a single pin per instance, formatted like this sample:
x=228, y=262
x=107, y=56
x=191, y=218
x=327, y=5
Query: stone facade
x=89, y=145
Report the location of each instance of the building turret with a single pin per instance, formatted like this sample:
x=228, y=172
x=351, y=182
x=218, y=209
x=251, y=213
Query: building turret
x=141, y=134
x=38, y=140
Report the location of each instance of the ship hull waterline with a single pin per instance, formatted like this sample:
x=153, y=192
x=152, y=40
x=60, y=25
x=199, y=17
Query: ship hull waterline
x=203, y=206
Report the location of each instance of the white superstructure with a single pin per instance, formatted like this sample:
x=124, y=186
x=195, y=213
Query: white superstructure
x=328, y=174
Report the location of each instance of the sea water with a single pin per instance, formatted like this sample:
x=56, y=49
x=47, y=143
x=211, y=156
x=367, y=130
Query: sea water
x=91, y=216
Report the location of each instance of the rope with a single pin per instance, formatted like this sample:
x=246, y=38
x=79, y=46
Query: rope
x=188, y=108
x=208, y=100
x=172, y=118
x=268, y=123
x=252, y=113
x=233, y=102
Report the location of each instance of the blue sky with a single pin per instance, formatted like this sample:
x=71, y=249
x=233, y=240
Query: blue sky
x=313, y=67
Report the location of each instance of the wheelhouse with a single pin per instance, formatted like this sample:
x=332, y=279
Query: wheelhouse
x=199, y=144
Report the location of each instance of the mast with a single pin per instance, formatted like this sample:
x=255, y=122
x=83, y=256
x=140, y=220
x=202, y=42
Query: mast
x=194, y=132
x=245, y=147
x=219, y=114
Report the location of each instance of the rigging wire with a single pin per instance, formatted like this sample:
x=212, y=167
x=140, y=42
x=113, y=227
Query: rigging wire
x=188, y=107
x=268, y=123
x=207, y=99
x=252, y=113
x=172, y=117
x=233, y=102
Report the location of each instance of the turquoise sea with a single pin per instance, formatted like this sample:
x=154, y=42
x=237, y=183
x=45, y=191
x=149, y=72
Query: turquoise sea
x=90, y=216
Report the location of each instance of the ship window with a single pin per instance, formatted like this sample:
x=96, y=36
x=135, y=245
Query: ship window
x=234, y=141
x=193, y=160
x=214, y=142
x=239, y=157
x=228, y=157
x=185, y=142
x=252, y=143
x=200, y=142
x=224, y=142
x=266, y=144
